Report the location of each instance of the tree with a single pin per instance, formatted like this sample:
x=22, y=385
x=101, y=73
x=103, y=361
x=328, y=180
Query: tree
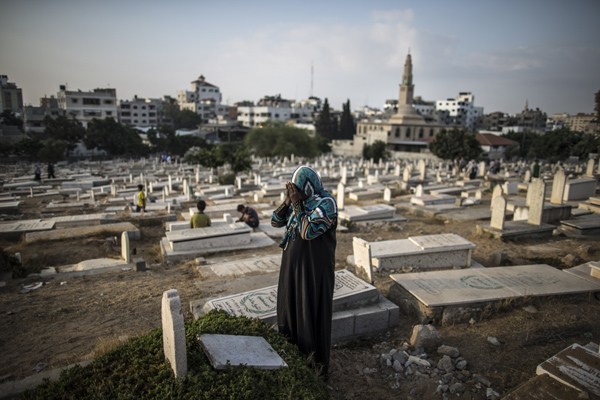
x=54, y=150
x=455, y=144
x=187, y=119
x=376, y=151
x=525, y=139
x=589, y=143
x=114, y=138
x=7, y=117
x=347, y=126
x=63, y=128
x=325, y=125
x=554, y=145
x=597, y=108
x=27, y=148
x=277, y=139
x=208, y=157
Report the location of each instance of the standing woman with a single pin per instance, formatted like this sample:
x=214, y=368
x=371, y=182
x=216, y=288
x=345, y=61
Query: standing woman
x=306, y=277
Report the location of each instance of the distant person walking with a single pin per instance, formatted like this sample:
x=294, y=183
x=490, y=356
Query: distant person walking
x=472, y=169
x=38, y=173
x=199, y=219
x=249, y=215
x=51, y=171
x=140, y=197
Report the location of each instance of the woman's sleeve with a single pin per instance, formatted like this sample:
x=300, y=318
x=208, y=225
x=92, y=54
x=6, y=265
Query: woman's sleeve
x=318, y=222
x=279, y=216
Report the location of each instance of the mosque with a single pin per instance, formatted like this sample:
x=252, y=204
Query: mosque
x=405, y=131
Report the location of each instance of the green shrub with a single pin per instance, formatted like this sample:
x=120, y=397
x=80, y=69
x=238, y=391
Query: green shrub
x=138, y=370
x=227, y=179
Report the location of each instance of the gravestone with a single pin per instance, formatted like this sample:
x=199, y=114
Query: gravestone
x=422, y=170
x=125, y=248
x=536, y=207
x=174, y=332
x=387, y=194
x=235, y=350
x=558, y=187
x=527, y=177
x=419, y=191
x=498, y=213
x=590, y=167
x=495, y=193
x=210, y=237
x=256, y=265
x=341, y=189
x=406, y=174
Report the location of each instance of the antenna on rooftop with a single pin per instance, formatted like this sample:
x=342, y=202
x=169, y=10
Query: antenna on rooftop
x=312, y=76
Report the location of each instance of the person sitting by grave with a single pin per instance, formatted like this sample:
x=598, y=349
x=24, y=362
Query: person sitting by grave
x=249, y=215
x=199, y=219
x=140, y=199
x=306, y=276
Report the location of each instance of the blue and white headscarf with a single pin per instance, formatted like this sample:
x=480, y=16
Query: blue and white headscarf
x=318, y=212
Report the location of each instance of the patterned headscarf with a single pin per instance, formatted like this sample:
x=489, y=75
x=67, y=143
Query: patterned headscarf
x=319, y=204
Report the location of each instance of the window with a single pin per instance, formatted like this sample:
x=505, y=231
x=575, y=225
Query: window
x=143, y=115
x=204, y=90
x=89, y=101
x=135, y=114
x=109, y=113
x=125, y=114
x=397, y=132
x=407, y=132
x=135, y=121
x=108, y=101
x=143, y=107
x=421, y=133
x=135, y=107
x=72, y=100
x=125, y=106
x=431, y=132
x=152, y=114
x=152, y=121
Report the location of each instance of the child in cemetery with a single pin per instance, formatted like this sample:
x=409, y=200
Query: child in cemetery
x=140, y=197
x=199, y=219
x=306, y=277
x=249, y=215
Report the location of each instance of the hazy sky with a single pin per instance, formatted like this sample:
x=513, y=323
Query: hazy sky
x=504, y=52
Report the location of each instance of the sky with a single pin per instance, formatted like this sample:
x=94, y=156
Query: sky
x=545, y=52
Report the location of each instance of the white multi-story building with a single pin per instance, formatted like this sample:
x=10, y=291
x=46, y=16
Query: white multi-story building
x=204, y=99
x=144, y=113
x=85, y=106
x=461, y=111
x=276, y=109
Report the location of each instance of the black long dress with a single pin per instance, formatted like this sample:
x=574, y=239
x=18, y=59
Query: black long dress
x=305, y=294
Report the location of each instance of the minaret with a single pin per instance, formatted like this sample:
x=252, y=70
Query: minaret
x=406, y=112
x=407, y=88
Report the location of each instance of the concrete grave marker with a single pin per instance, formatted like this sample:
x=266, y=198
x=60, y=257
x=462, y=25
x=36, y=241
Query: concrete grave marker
x=251, y=351
x=125, y=248
x=590, y=167
x=341, y=189
x=387, y=194
x=558, y=187
x=498, y=213
x=174, y=332
x=536, y=207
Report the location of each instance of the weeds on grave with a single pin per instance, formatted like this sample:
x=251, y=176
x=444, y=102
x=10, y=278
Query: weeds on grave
x=138, y=369
x=156, y=254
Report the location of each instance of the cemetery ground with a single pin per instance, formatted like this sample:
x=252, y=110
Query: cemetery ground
x=73, y=319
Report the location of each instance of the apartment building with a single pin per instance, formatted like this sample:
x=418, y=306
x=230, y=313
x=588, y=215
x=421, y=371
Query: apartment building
x=204, y=99
x=275, y=108
x=143, y=113
x=461, y=110
x=33, y=117
x=11, y=96
x=85, y=106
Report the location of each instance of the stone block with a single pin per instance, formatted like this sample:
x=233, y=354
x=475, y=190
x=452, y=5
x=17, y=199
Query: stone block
x=140, y=264
x=425, y=336
x=174, y=333
x=251, y=351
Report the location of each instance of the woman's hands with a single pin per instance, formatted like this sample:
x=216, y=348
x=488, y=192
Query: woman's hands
x=293, y=193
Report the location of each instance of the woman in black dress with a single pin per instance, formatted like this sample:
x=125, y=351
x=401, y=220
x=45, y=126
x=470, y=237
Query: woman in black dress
x=306, y=278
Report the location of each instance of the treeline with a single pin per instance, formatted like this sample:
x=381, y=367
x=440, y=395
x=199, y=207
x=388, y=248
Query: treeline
x=552, y=146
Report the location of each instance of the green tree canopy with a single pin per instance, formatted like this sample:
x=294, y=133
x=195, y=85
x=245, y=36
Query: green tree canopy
x=54, y=150
x=326, y=125
x=27, y=148
x=187, y=119
x=376, y=151
x=347, y=125
x=554, y=145
x=277, y=139
x=597, y=107
x=525, y=139
x=114, y=138
x=455, y=144
x=63, y=128
x=209, y=156
x=589, y=143
x=7, y=117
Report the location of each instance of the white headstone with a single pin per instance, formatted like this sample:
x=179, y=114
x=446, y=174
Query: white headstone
x=387, y=194
x=419, y=191
x=558, y=187
x=341, y=194
x=174, y=333
x=590, y=167
x=495, y=193
x=538, y=195
x=422, y=170
x=527, y=177
x=406, y=175
x=498, y=213
x=125, y=251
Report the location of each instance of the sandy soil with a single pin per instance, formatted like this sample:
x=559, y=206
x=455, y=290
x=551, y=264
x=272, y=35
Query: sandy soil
x=61, y=323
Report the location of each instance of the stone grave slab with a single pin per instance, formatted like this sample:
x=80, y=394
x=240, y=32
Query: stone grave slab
x=517, y=229
x=349, y=290
x=589, y=271
x=365, y=195
x=72, y=221
x=9, y=207
x=459, y=287
x=271, y=231
x=366, y=213
x=251, y=351
x=71, y=233
x=580, y=189
x=577, y=367
x=587, y=225
x=447, y=241
x=256, y=265
x=72, y=204
x=9, y=186
x=210, y=237
x=16, y=229
x=428, y=200
x=470, y=214
x=542, y=387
